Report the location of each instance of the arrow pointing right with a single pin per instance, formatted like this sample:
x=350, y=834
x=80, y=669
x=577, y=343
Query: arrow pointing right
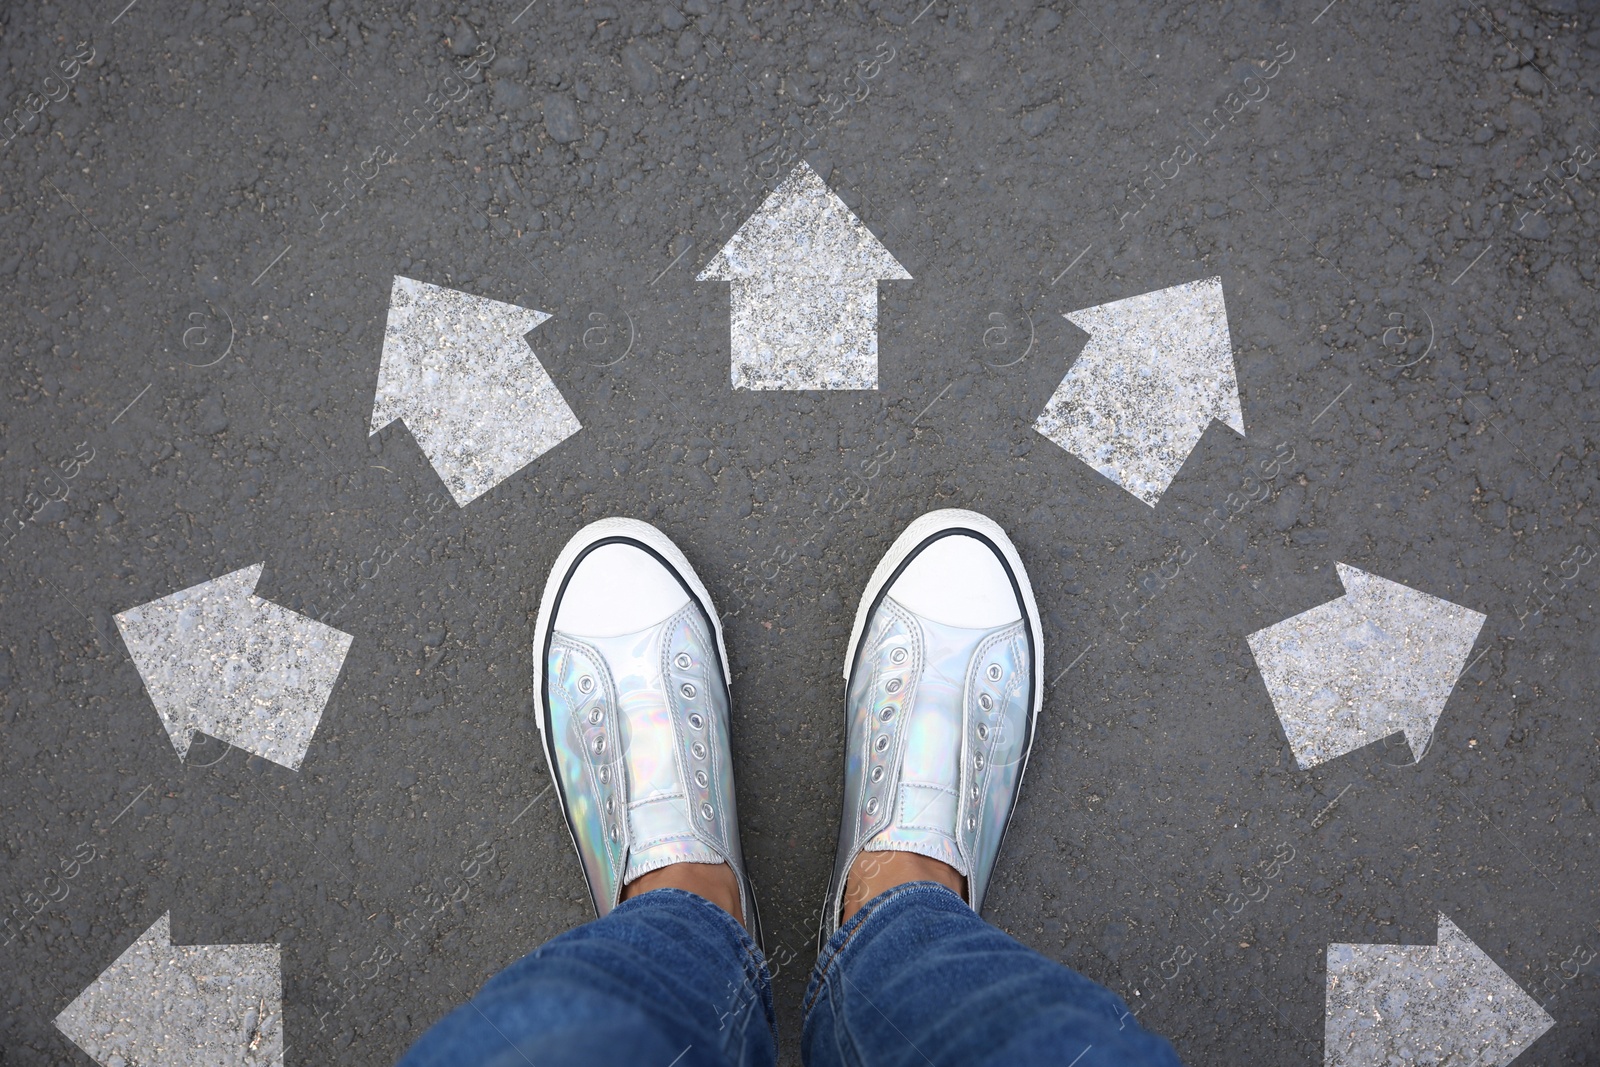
x=1382, y=658
x=1157, y=370
x=1445, y=1003
x=182, y=1005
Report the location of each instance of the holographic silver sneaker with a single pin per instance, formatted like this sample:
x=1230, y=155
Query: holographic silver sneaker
x=943, y=687
x=631, y=677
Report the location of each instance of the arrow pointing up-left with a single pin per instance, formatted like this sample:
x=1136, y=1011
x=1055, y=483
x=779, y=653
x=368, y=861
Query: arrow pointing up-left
x=216, y=657
x=182, y=1005
x=457, y=369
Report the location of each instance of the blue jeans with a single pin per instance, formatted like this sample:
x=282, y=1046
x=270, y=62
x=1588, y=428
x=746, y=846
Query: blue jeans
x=669, y=979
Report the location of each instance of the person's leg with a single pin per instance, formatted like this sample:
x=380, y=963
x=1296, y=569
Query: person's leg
x=665, y=978
x=631, y=688
x=943, y=686
x=917, y=978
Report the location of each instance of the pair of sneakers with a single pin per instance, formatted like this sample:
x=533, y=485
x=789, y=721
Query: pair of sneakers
x=942, y=692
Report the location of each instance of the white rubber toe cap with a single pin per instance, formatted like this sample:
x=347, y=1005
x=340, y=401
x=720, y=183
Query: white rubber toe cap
x=958, y=581
x=952, y=576
x=618, y=589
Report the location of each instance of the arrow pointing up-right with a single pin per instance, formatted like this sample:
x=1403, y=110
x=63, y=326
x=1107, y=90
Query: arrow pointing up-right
x=1441, y=1004
x=1157, y=370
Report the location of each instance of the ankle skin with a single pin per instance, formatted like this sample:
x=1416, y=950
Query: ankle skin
x=877, y=872
x=714, y=881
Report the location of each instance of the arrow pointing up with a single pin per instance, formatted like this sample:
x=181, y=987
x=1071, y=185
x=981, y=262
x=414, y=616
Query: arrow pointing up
x=805, y=273
x=1381, y=658
x=1448, y=1003
x=216, y=657
x=457, y=370
x=182, y=1005
x=1157, y=369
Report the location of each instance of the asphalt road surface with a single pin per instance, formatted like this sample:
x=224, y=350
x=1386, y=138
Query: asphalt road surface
x=204, y=209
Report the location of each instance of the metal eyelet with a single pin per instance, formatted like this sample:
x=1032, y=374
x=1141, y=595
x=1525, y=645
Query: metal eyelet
x=688, y=690
x=611, y=805
x=877, y=774
x=882, y=743
x=983, y=731
x=975, y=793
x=972, y=823
x=707, y=812
x=897, y=656
x=697, y=750
x=605, y=775
x=611, y=831
x=683, y=661
x=893, y=686
x=887, y=713
x=977, y=762
x=700, y=779
x=994, y=672
x=596, y=714
x=985, y=701
x=599, y=743
x=872, y=806
x=696, y=721
x=586, y=684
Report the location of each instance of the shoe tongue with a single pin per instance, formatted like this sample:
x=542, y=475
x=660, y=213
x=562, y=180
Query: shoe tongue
x=925, y=802
x=934, y=844
x=659, y=827
x=643, y=861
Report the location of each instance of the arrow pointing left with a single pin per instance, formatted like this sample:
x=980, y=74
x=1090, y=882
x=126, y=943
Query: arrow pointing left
x=458, y=370
x=216, y=657
x=1440, y=1004
x=182, y=1005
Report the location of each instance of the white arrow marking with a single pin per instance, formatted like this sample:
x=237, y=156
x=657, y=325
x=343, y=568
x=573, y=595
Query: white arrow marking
x=182, y=1005
x=216, y=657
x=1157, y=369
x=1448, y=1003
x=804, y=273
x=1381, y=658
x=458, y=370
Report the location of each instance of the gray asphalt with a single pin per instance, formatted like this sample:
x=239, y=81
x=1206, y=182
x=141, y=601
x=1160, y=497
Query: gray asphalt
x=201, y=223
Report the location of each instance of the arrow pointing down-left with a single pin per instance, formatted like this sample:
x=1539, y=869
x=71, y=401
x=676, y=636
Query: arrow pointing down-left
x=182, y=1005
x=216, y=657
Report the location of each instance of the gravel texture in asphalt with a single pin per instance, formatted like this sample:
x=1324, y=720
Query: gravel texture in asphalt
x=204, y=209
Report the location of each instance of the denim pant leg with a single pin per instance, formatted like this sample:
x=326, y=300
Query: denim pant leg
x=917, y=978
x=667, y=978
